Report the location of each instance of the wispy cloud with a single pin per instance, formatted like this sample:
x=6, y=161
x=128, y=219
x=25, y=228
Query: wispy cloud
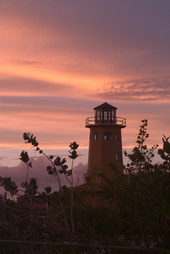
x=147, y=89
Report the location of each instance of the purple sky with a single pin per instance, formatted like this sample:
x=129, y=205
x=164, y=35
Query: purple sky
x=61, y=58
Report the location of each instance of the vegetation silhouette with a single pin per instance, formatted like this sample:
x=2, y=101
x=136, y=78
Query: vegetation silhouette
x=137, y=214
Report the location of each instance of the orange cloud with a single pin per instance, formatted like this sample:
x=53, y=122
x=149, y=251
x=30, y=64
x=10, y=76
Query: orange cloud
x=78, y=82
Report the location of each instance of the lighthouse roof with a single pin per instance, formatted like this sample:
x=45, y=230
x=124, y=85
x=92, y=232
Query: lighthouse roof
x=105, y=105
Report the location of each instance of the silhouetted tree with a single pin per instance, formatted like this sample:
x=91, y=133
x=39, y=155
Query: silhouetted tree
x=137, y=211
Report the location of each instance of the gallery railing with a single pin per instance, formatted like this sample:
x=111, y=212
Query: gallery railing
x=96, y=121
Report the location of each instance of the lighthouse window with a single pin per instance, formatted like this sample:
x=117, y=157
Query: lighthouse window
x=107, y=115
x=98, y=115
x=118, y=156
x=107, y=135
x=95, y=136
x=117, y=136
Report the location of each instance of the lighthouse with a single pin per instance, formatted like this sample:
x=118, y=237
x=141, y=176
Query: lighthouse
x=105, y=141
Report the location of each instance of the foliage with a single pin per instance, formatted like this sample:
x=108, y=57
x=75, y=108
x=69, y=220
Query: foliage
x=9, y=185
x=137, y=211
x=141, y=157
x=165, y=152
x=34, y=215
x=142, y=195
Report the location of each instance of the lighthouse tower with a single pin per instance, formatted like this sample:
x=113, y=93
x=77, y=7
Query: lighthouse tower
x=105, y=143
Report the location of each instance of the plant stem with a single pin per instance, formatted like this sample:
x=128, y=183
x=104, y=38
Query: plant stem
x=27, y=174
x=72, y=199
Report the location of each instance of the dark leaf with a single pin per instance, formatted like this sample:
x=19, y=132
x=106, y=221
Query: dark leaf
x=57, y=161
x=64, y=167
x=73, y=146
x=73, y=155
x=63, y=161
x=24, y=156
x=48, y=189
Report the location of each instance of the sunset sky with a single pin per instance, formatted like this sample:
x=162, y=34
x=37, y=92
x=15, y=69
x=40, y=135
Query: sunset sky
x=61, y=58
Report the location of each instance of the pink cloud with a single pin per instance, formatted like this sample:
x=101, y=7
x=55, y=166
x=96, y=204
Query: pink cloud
x=151, y=89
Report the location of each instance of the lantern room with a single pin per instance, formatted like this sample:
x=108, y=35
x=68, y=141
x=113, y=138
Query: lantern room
x=105, y=113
